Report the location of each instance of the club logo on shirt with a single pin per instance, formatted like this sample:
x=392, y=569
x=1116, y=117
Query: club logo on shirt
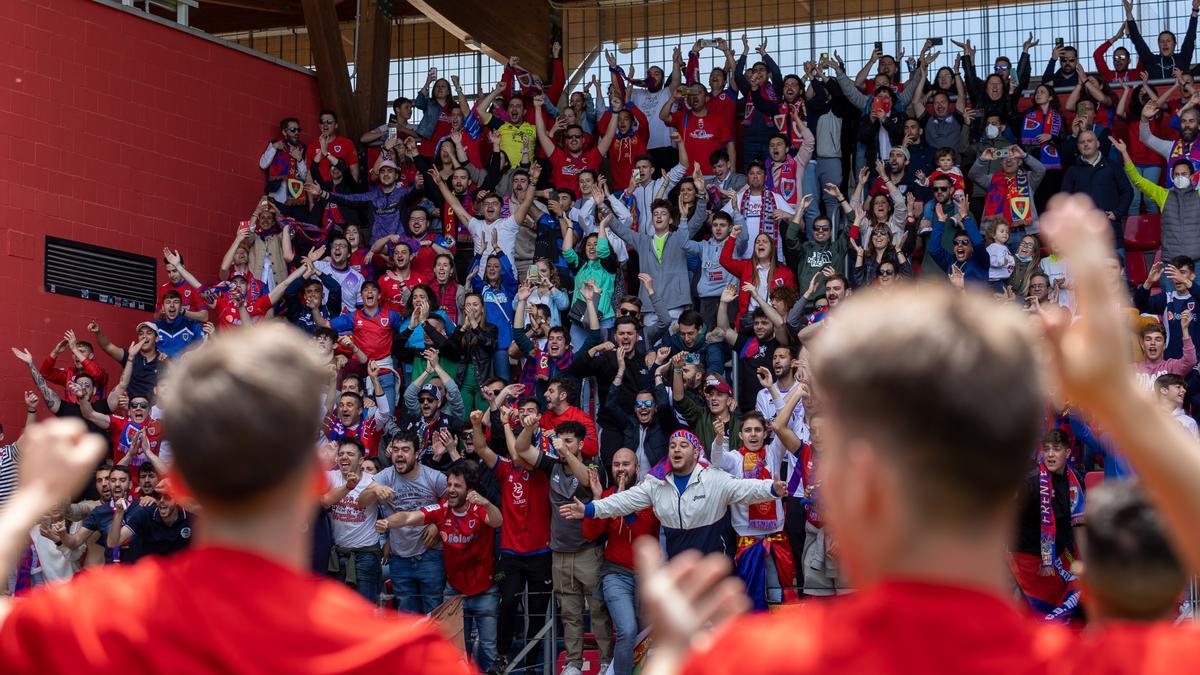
x=384, y=322
x=186, y=533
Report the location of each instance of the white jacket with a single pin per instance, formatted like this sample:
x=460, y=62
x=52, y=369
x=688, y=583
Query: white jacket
x=698, y=517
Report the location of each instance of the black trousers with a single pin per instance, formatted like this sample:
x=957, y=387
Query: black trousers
x=518, y=573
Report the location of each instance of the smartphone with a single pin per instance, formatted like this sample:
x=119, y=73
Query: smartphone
x=532, y=273
x=392, y=118
x=884, y=104
x=706, y=44
x=244, y=226
x=879, y=46
x=936, y=42
x=824, y=56
x=392, y=131
x=1058, y=43
x=433, y=72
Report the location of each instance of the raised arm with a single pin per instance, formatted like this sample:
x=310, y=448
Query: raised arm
x=544, y=139
x=781, y=427
x=104, y=343
x=48, y=395
x=519, y=213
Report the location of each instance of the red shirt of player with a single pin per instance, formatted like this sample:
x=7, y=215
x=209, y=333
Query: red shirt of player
x=392, y=290
x=191, y=297
x=525, y=506
x=567, y=167
x=178, y=614
x=338, y=146
x=701, y=135
x=466, y=545
x=122, y=431
x=228, y=315
x=897, y=627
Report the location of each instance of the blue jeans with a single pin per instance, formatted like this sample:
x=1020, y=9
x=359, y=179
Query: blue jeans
x=1151, y=173
x=500, y=367
x=480, y=612
x=579, y=331
x=620, y=594
x=809, y=186
x=366, y=569
x=418, y=581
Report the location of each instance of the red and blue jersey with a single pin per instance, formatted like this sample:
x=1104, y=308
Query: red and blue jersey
x=372, y=332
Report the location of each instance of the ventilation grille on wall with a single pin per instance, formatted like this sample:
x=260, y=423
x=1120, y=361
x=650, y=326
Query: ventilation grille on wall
x=101, y=274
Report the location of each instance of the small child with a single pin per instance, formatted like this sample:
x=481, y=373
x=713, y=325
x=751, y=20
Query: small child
x=1000, y=258
x=944, y=159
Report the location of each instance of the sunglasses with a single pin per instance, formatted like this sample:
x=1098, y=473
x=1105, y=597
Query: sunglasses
x=324, y=122
x=628, y=312
x=643, y=404
x=574, y=136
x=426, y=399
x=1001, y=68
x=139, y=406
x=940, y=188
x=887, y=273
x=1120, y=57
x=961, y=243
x=294, y=130
x=821, y=228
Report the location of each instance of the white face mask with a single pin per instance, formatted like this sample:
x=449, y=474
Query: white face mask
x=1181, y=182
x=992, y=131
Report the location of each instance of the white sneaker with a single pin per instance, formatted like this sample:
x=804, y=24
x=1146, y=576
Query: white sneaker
x=570, y=670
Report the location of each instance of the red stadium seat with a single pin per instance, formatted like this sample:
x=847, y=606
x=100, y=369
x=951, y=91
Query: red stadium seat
x=1143, y=233
x=1092, y=478
x=1137, y=267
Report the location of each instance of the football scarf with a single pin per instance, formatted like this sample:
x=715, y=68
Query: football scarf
x=1010, y=197
x=1189, y=151
x=787, y=182
x=764, y=515
x=1048, y=526
x=765, y=225
x=530, y=84
x=748, y=114
x=283, y=169
x=783, y=122
x=1038, y=123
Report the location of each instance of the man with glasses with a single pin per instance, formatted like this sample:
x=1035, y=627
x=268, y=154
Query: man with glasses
x=567, y=163
x=968, y=255
x=283, y=160
x=1067, y=74
x=1120, y=71
x=331, y=145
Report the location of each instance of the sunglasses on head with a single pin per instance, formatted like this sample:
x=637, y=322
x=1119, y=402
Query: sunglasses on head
x=643, y=404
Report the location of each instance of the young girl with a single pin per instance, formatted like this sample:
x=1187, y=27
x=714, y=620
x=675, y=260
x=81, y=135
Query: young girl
x=1000, y=257
x=497, y=284
x=761, y=271
x=594, y=261
x=946, y=168
x=448, y=293
x=547, y=290
x=1041, y=136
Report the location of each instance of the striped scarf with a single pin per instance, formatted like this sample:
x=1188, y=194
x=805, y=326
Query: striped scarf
x=1047, y=522
x=1038, y=123
x=1010, y=197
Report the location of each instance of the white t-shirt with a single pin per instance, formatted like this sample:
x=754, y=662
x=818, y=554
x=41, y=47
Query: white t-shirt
x=481, y=232
x=352, y=527
x=751, y=208
x=8, y=471
x=1186, y=421
x=650, y=102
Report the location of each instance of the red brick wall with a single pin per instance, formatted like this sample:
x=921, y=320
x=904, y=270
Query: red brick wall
x=122, y=132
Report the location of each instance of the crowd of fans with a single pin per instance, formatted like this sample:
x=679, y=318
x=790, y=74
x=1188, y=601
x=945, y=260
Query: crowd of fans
x=551, y=329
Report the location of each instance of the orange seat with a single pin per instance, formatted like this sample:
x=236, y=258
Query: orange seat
x=1143, y=233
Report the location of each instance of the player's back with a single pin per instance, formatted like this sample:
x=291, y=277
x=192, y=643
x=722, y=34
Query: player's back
x=214, y=610
x=898, y=627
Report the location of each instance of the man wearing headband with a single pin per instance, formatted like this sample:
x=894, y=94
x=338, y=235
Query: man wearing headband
x=692, y=502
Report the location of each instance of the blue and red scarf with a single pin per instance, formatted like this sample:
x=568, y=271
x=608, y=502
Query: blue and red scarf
x=1048, y=525
x=1010, y=197
x=1189, y=151
x=789, y=180
x=1038, y=123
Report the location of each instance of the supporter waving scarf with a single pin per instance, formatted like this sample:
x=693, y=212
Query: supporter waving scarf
x=752, y=559
x=1049, y=528
x=283, y=168
x=1010, y=197
x=754, y=465
x=1038, y=123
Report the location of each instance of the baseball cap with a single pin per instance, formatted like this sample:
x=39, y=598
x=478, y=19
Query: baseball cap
x=146, y=324
x=718, y=383
x=387, y=163
x=432, y=389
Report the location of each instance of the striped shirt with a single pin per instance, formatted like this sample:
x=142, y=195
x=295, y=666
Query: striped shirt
x=8, y=471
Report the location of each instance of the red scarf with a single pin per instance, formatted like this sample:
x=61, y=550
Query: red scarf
x=1049, y=526
x=762, y=516
x=765, y=224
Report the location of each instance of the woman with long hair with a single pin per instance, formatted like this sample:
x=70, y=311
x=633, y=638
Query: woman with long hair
x=472, y=346
x=870, y=260
x=593, y=261
x=1029, y=257
x=496, y=282
x=547, y=290
x=436, y=108
x=1041, y=136
x=761, y=271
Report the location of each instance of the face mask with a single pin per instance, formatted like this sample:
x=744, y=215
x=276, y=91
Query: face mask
x=1024, y=258
x=992, y=131
x=1181, y=182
